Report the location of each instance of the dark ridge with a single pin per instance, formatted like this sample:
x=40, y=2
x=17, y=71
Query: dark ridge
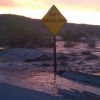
x=20, y=31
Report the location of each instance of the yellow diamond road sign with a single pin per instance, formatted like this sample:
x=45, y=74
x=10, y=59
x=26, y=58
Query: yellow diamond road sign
x=54, y=20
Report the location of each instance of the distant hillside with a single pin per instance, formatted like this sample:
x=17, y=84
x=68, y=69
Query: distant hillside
x=19, y=31
x=76, y=31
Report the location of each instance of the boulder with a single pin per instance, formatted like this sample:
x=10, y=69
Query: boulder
x=86, y=53
x=91, y=57
x=62, y=57
x=43, y=58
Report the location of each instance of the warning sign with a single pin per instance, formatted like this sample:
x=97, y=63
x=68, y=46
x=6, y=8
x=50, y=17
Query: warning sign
x=54, y=20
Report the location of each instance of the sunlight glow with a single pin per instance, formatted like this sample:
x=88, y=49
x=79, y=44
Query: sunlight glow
x=79, y=11
x=82, y=17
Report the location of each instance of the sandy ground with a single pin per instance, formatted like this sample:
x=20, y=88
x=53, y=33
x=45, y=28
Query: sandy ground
x=44, y=82
x=35, y=81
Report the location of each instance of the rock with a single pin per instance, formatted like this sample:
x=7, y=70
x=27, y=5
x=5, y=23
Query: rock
x=63, y=64
x=59, y=38
x=80, y=62
x=61, y=72
x=21, y=54
x=97, y=65
x=42, y=58
x=4, y=59
x=86, y=53
x=82, y=39
x=92, y=57
x=45, y=65
x=62, y=57
x=69, y=44
x=3, y=48
x=29, y=60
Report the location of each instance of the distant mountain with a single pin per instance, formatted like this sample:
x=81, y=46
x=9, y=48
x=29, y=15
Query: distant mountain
x=20, y=31
x=77, y=31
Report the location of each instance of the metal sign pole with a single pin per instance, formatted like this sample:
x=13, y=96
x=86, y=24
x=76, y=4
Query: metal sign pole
x=54, y=21
x=54, y=55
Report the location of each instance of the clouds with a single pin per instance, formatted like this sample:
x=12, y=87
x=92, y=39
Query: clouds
x=70, y=8
x=18, y=3
x=26, y=3
x=7, y=3
x=80, y=4
x=44, y=4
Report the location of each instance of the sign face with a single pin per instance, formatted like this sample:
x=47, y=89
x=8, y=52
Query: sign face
x=54, y=20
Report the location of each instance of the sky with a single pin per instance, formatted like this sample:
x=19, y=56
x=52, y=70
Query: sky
x=75, y=11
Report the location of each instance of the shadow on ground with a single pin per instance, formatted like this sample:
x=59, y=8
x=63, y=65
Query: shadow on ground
x=76, y=95
x=10, y=92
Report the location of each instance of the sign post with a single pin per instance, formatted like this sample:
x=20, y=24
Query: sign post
x=54, y=55
x=54, y=21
